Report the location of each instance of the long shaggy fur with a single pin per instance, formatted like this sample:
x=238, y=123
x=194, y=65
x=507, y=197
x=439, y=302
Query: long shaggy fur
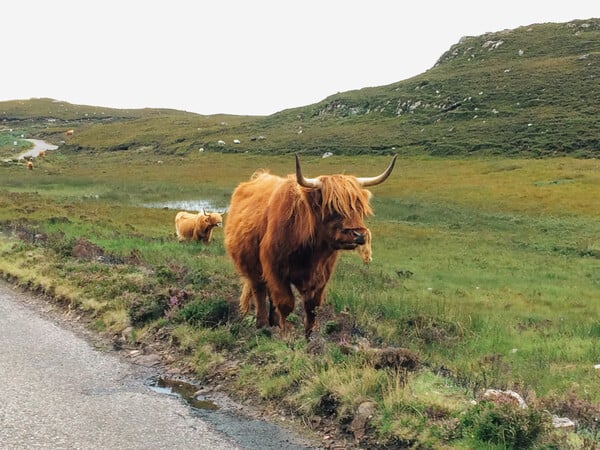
x=278, y=234
x=196, y=227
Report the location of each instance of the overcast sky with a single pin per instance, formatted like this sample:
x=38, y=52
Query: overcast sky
x=252, y=57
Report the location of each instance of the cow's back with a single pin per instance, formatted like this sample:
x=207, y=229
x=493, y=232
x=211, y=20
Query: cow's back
x=247, y=219
x=184, y=225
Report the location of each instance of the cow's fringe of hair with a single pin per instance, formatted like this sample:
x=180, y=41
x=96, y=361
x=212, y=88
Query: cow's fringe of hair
x=300, y=225
x=340, y=193
x=344, y=194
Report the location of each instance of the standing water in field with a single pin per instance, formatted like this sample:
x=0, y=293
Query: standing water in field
x=186, y=205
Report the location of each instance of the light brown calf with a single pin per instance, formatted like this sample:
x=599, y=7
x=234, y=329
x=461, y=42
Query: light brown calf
x=196, y=227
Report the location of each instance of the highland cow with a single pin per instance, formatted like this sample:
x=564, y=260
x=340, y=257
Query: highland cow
x=287, y=231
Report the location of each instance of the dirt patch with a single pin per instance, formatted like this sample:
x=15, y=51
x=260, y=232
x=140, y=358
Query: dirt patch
x=86, y=250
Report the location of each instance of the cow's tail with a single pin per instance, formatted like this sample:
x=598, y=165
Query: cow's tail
x=246, y=297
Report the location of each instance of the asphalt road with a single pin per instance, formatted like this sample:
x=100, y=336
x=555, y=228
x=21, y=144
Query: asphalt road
x=59, y=392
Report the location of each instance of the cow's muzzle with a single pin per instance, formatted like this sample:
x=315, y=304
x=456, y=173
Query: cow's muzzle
x=359, y=238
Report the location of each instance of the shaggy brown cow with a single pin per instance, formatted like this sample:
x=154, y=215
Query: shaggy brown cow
x=197, y=227
x=69, y=132
x=30, y=165
x=288, y=231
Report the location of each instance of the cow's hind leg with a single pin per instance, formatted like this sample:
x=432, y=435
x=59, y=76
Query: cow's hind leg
x=260, y=299
x=246, y=298
x=256, y=294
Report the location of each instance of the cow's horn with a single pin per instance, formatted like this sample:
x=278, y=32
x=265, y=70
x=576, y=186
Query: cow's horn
x=305, y=182
x=372, y=181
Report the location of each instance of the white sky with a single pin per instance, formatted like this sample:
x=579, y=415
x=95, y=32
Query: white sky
x=238, y=56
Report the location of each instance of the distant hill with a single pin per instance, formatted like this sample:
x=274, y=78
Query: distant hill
x=531, y=91
x=534, y=90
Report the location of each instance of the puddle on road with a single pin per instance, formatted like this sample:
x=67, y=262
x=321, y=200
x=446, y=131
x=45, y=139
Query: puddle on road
x=184, y=390
x=251, y=434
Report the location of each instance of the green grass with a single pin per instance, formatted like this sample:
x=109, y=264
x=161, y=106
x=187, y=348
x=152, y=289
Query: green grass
x=487, y=269
x=8, y=149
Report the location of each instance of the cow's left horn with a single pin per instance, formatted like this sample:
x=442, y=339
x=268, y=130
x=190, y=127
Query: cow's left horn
x=314, y=183
x=372, y=181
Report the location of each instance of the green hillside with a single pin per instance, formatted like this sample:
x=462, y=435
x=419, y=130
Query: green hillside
x=531, y=91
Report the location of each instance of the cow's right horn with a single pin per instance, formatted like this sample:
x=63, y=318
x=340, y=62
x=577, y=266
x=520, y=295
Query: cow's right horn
x=313, y=183
x=372, y=181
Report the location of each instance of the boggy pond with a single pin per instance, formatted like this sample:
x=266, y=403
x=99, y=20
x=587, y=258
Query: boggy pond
x=187, y=205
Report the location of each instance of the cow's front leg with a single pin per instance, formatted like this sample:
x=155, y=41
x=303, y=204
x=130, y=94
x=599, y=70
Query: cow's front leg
x=273, y=314
x=282, y=299
x=313, y=299
x=313, y=291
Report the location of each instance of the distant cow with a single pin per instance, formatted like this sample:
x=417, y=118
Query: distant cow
x=69, y=132
x=284, y=232
x=196, y=227
x=29, y=165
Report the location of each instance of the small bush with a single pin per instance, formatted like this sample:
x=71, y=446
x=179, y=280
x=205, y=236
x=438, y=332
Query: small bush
x=143, y=310
x=221, y=338
x=505, y=424
x=62, y=245
x=331, y=326
x=170, y=273
x=206, y=313
x=584, y=412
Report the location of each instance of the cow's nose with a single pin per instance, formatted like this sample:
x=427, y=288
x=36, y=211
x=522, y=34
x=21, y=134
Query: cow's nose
x=359, y=238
